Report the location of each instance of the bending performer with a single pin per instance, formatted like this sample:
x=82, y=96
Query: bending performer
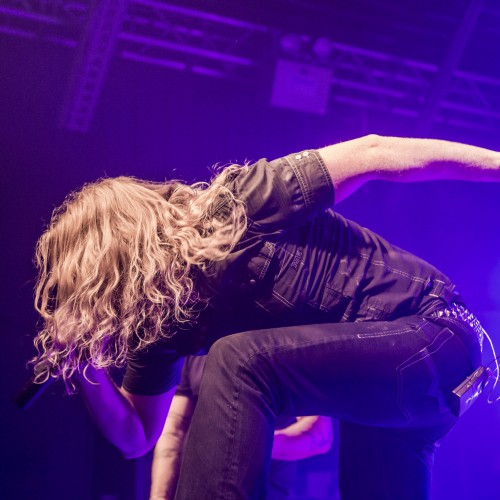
x=139, y=273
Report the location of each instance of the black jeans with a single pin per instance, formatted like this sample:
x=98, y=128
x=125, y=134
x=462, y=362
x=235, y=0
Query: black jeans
x=388, y=382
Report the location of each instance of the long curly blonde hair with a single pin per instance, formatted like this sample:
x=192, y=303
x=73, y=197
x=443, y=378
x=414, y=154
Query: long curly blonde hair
x=116, y=263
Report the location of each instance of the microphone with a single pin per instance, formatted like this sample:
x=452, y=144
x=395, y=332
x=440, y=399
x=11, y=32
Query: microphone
x=30, y=392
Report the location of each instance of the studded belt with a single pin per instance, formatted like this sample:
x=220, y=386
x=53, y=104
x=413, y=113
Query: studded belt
x=460, y=312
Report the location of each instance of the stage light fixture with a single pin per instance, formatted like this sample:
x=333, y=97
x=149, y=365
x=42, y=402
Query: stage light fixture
x=291, y=43
x=322, y=48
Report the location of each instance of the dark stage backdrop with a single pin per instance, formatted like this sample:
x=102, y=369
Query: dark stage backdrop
x=157, y=123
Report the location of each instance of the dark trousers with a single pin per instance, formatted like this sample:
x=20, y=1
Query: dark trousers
x=388, y=382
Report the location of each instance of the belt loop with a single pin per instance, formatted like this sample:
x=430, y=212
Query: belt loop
x=436, y=287
x=441, y=289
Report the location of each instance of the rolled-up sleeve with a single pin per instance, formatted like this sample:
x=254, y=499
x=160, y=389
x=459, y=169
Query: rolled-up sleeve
x=286, y=192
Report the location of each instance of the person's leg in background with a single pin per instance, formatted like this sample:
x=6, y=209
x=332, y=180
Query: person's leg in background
x=378, y=463
x=282, y=476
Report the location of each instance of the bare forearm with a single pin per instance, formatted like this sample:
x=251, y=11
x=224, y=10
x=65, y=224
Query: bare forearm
x=352, y=163
x=113, y=414
x=168, y=449
x=307, y=437
x=120, y=420
x=428, y=159
x=165, y=473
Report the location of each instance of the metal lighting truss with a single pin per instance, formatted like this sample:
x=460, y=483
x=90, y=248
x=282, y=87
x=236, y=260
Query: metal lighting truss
x=94, y=53
x=192, y=40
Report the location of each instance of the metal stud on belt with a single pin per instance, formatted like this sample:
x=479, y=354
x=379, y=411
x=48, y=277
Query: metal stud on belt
x=458, y=311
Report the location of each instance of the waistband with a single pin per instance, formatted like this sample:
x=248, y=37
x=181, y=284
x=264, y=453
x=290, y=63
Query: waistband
x=460, y=312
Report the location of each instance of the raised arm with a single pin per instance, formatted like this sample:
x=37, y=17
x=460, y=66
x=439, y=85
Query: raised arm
x=168, y=450
x=131, y=422
x=305, y=438
x=352, y=163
